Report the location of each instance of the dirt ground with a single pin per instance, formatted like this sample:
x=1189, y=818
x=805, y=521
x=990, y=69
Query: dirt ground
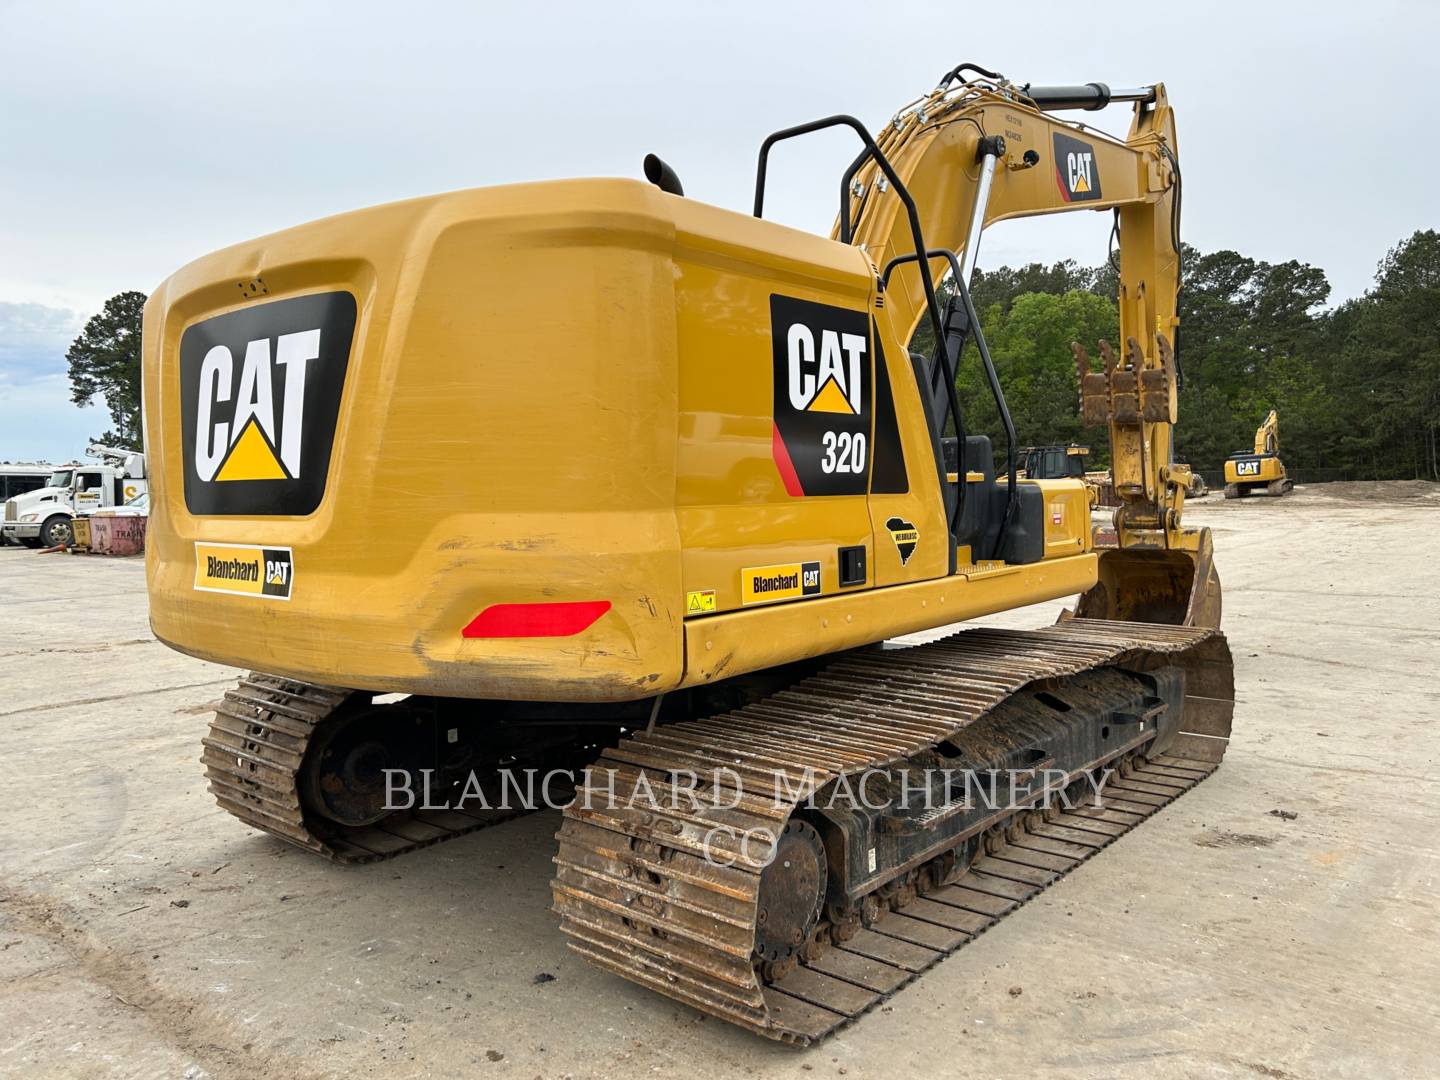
x=143, y=933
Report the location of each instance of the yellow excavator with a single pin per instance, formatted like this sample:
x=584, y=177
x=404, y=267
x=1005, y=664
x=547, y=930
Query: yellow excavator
x=1261, y=470
x=587, y=478
x=1054, y=462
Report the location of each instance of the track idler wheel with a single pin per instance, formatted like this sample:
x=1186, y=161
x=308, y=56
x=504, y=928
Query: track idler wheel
x=792, y=890
x=343, y=776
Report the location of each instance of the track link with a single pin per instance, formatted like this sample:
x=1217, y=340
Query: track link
x=252, y=757
x=640, y=885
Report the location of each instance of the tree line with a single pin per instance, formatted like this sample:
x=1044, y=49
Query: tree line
x=1357, y=386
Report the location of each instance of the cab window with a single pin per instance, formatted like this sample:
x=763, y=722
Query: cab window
x=10, y=486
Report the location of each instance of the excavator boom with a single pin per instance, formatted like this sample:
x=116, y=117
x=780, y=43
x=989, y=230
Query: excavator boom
x=985, y=151
x=1267, y=435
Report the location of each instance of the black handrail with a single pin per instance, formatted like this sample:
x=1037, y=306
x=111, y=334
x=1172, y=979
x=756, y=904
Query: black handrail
x=952, y=396
x=990, y=375
x=1012, y=495
x=847, y=223
x=845, y=231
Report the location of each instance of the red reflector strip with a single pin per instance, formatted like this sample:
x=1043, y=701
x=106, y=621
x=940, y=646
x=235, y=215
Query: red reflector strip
x=535, y=620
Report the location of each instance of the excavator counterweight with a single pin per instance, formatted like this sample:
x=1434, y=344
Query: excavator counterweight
x=590, y=478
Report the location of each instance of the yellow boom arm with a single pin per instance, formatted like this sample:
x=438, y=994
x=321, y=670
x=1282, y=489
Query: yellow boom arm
x=1267, y=435
x=987, y=150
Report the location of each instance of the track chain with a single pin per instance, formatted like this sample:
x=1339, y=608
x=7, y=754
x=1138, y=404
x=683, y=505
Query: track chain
x=641, y=893
x=252, y=757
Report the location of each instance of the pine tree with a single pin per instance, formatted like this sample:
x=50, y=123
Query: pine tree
x=105, y=360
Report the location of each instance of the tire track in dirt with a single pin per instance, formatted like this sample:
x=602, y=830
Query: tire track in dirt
x=195, y=1030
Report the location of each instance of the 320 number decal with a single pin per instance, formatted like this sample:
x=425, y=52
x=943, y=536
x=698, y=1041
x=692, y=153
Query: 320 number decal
x=844, y=452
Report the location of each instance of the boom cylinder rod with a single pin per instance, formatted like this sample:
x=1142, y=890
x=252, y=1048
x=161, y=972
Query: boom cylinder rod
x=989, y=154
x=1137, y=93
x=1089, y=96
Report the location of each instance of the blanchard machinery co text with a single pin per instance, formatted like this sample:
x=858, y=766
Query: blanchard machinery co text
x=689, y=792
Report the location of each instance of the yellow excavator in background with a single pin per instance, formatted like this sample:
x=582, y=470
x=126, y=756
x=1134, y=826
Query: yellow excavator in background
x=1262, y=469
x=590, y=475
x=1055, y=462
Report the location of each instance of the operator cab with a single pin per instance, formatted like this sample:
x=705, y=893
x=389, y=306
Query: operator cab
x=995, y=518
x=1054, y=462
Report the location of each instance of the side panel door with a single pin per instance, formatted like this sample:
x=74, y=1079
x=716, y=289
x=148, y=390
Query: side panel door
x=775, y=410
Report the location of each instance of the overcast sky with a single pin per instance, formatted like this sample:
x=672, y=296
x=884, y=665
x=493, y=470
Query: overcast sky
x=137, y=136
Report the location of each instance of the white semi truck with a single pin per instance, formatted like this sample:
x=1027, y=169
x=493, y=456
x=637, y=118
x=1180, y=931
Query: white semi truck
x=42, y=518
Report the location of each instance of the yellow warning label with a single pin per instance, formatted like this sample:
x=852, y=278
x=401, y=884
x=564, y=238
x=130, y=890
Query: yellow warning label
x=786, y=581
x=699, y=601
x=251, y=458
x=244, y=570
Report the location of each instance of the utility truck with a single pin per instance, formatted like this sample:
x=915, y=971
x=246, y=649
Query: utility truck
x=19, y=477
x=44, y=517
